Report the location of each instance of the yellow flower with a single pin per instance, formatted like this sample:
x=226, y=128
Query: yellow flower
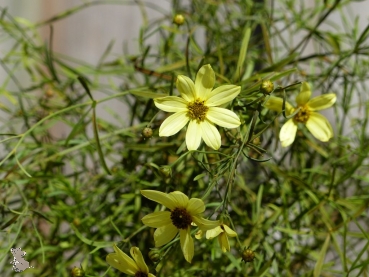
x=183, y=212
x=223, y=232
x=317, y=124
x=133, y=267
x=199, y=105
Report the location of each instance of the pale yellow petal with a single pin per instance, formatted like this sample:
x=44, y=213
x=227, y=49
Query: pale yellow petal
x=210, y=135
x=212, y=233
x=173, y=124
x=229, y=231
x=205, y=224
x=159, y=197
x=319, y=126
x=171, y=104
x=151, y=275
x=179, y=198
x=224, y=243
x=304, y=96
x=122, y=262
x=205, y=80
x=157, y=219
x=288, y=133
x=186, y=88
x=223, y=117
x=137, y=256
x=222, y=95
x=187, y=244
x=195, y=206
x=322, y=102
x=165, y=234
x=199, y=234
x=276, y=104
x=193, y=135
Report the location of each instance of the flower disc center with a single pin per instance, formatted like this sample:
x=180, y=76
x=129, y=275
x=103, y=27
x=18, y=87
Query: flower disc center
x=181, y=218
x=140, y=274
x=197, y=110
x=303, y=115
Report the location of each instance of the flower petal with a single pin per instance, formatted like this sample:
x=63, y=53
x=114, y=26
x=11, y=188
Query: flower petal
x=122, y=262
x=322, y=102
x=193, y=135
x=187, y=244
x=210, y=234
x=179, y=198
x=137, y=256
x=304, y=96
x=223, y=117
x=173, y=124
x=224, y=243
x=205, y=80
x=186, y=88
x=151, y=275
x=160, y=197
x=319, y=126
x=157, y=219
x=276, y=103
x=210, y=135
x=288, y=132
x=195, y=206
x=229, y=231
x=171, y=104
x=199, y=234
x=222, y=95
x=205, y=224
x=165, y=234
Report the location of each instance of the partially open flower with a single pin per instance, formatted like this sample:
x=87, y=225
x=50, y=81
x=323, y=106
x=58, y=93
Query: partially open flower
x=222, y=232
x=317, y=124
x=199, y=106
x=133, y=267
x=183, y=212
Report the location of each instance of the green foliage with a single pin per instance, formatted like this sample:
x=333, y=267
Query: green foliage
x=303, y=209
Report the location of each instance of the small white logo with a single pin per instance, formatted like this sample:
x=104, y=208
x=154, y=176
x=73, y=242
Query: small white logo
x=19, y=263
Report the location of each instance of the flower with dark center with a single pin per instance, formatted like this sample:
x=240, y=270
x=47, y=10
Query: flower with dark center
x=183, y=212
x=317, y=124
x=201, y=107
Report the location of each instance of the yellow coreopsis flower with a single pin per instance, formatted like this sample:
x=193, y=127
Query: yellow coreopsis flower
x=222, y=232
x=317, y=124
x=199, y=105
x=127, y=265
x=183, y=212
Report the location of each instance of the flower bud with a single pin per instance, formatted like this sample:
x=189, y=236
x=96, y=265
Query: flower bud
x=248, y=255
x=178, y=19
x=147, y=132
x=154, y=255
x=166, y=171
x=266, y=87
x=78, y=272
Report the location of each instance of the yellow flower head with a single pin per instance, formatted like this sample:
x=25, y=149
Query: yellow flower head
x=199, y=105
x=222, y=232
x=183, y=212
x=132, y=267
x=317, y=124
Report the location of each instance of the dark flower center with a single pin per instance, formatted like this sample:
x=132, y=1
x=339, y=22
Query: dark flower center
x=140, y=274
x=181, y=218
x=197, y=110
x=303, y=115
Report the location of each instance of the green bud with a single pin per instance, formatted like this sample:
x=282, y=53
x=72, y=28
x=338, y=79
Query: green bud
x=166, y=171
x=154, y=255
x=178, y=19
x=147, y=132
x=78, y=272
x=266, y=87
x=248, y=255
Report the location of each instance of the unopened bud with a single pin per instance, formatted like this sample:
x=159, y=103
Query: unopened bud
x=166, y=171
x=147, y=132
x=178, y=19
x=248, y=255
x=266, y=87
x=78, y=272
x=154, y=255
